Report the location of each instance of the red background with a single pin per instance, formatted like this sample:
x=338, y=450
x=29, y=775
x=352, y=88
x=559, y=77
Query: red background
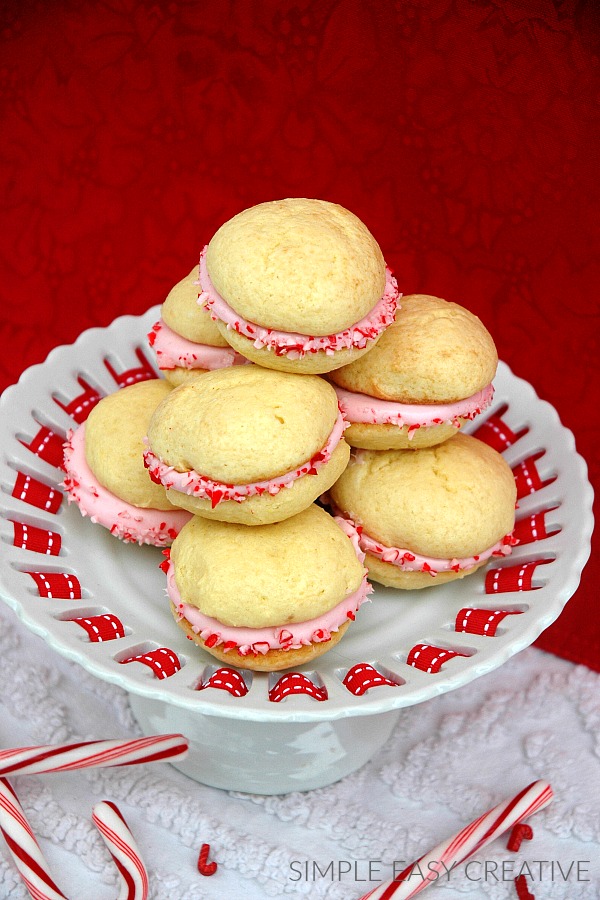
x=463, y=132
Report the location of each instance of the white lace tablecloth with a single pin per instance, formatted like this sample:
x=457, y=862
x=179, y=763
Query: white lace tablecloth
x=448, y=760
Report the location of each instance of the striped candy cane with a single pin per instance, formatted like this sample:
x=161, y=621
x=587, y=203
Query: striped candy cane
x=123, y=849
x=466, y=843
x=88, y=754
x=24, y=848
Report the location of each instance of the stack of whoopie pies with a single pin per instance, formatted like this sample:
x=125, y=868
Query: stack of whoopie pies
x=287, y=347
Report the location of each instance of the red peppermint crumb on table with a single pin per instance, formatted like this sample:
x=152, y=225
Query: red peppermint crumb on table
x=520, y=832
x=523, y=891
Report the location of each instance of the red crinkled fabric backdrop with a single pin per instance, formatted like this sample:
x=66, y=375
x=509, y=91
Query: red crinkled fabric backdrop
x=463, y=132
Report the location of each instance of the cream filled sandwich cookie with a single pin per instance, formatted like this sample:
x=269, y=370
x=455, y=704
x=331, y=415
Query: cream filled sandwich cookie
x=105, y=473
x=186, y=341
x=247, y=444
x=428, y=517
x=297, y=285
x=271, y=597
x=430, y=372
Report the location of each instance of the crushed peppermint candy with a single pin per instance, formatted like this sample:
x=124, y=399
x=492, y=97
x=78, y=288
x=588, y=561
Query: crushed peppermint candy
x=415, y=562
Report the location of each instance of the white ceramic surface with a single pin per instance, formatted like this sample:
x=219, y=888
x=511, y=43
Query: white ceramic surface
x=124, y=579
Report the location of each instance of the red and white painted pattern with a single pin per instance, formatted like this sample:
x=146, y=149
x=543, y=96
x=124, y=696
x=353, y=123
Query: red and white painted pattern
x=513, y=578
x=296, y=683
x=163, y=662
x=24, y=847
x=362, y=677
x=481, y=621
x=527, y=477
x=533, y=528
x=36, y=493
x=57, y=585
x=38, y=540
x=430, y=659
x=92, y=754
x=124, y=850
x=81, y=406
x=47, y=445
x=466, y=843
x=144, y=372
x=105, y=627
x=496, y=433
x=226, y=679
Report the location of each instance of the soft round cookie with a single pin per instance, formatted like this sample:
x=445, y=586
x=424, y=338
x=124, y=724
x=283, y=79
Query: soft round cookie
x=429, y=373
x=105, y=469
x=185, y=339
x=428, y=517
x=270, y=597
x=298, y=285
x=190, y=318
x=247, y=444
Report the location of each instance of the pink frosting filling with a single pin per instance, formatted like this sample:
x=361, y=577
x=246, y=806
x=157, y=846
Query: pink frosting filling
x=252, y=641
x=370, y=410
x=194, y=484
x=409, y=561
x=127, y=522
x=174, y=351
x=292, y=344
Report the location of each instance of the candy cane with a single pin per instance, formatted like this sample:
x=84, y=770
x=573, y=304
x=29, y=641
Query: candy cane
x=24, y=848
x=467, y=842
x=123, y=849
x=88, y=754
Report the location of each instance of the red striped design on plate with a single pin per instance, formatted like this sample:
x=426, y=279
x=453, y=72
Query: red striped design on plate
x=163, y=662
x=36, y=493
x=38, y=540
x=481, y=621
x=47, y=445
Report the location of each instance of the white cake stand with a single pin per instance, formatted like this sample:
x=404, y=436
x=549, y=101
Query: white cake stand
x=249, y=742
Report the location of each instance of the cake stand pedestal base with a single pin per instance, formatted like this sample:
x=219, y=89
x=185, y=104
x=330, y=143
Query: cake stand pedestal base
x=266, y=757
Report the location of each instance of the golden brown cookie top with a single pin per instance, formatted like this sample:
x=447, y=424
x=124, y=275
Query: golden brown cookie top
x=299, y=265
x=244, y=424
x=434, y=352
x=183, y=314
x=290, y=571
x=453, y=500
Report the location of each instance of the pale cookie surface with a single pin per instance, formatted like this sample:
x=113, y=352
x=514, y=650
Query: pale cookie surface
x=265, y=508
x=434, y=352
x=178, y=375
x=114, y=435
x=271, y=575
x=298, y=265
x=186, y=317
x=454, y=500
x=244, y=424
x=392, y=437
